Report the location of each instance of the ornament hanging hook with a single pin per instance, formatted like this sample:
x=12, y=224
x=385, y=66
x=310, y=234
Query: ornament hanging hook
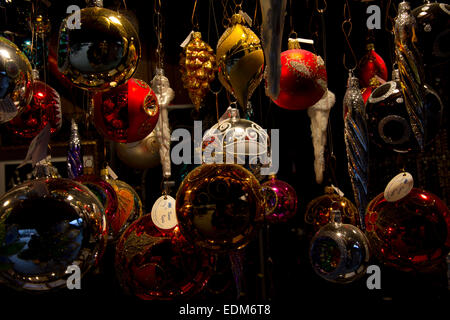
x=195, y=25
x=347, y=27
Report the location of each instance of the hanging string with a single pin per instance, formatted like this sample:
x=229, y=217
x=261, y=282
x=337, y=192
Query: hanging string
x=226, y=16
x=347, y=30
x=195, y=25
x=158, y=26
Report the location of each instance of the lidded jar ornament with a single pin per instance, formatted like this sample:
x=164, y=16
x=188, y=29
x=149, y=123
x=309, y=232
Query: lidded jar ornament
x=219, y=206
x=319, y=210
x=198, y=64
x=240, y=60
x=47, y=225
x=303, y=78
x=44, y=107
x=102, y=52
x=16, y=81
x=412, y=233
x=339, y=252
x=128, y=113
x=154, y=264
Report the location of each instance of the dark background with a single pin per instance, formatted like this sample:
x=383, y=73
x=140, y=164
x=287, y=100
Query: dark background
x=288, y=277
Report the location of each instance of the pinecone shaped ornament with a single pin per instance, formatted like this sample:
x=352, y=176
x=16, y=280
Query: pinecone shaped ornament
x=198, y=64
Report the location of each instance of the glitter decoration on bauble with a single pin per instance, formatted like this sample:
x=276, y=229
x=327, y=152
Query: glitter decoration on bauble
x=319, y=210
x=410, y=234
x=280, y=200
x=16, y=81
x=128, y=113
x=240, y=60
x=153, y=264
x=219, y=206
x=339, y=252
x=47, y=225
x=303, y=78
x=102, y=52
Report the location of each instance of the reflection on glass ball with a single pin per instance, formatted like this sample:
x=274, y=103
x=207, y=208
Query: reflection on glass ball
x=412, y=233
x=47, y=225
x=102, y=54
x=219, y=206
x=281, y=200
x=156, y=265
x=339, y=252
x=319, y=210
x=16, y=83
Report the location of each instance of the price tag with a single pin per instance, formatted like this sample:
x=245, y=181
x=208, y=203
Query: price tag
x=399, y=187
x=163, y=213
x=338, y=191
x=247, y=18
x=112, y=173
x=8, y=109
x=187, y=40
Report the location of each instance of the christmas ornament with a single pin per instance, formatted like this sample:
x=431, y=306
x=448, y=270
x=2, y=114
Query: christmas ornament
x=128, y=113
x=102, y=53
x=281, y=200
x=16, y=83
x=197, y=68
x=339, y=252
x=129, y=205
x=412, y=233
x=74, y=157
x=387, y=118
x=411, y=71
x=153, y=264
x=141, y=154
x=357, y=143
x=46, y=226
x=319, y=113
x=235, y=140
x=318, y=211
x=165, y=95
x=219, y=206
x=303, y=80
x=433, y=32
x=273, y=12
x=240, y=60
x=372, y=68
x=107, y=196
x=45, y=107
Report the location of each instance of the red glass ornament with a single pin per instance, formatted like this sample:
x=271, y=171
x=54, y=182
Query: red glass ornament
x=303, y=78
x=154, y=264
x=372, y=66
x=412, y=233
x=107, y=196
x=128, y=113
x=45, y=107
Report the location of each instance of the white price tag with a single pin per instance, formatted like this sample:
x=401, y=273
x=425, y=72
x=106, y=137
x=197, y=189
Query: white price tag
x=338, y=191
x=112, y=173
x=163, y=213
x=399, y=187
x=187, y=40
x=247, y=18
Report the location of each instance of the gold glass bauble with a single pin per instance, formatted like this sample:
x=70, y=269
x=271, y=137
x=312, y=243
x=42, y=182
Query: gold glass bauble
x=240, y=60
x=219, y=206
x=16, y=81
x=197, y=68
x=319, y=210
x=102, y=53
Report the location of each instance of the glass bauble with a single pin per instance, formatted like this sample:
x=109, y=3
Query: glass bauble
x=107, y=196
x=102, y=53
x=412, y=233
x=219, y=206
x=128, y=113
x=303, y=79
x=153, y=264
x=281, y=200
x=319, y=210
x=142, y=154
x=16, y=82
x=45, y=107
x=339, y=252
x=47, y=225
